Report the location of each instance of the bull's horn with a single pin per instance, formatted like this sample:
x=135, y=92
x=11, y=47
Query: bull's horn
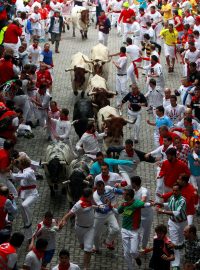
x=112, y=93
x=74, y=122
x=87, y=61
x=66, y=182
x=44, y=163
x=91, y=93
x=107, y=61
x=86, y=182
x=70, y=69
x=89, y=71
x=91, y=119
x=129, y=121
x=95, y=105
x=63, y=162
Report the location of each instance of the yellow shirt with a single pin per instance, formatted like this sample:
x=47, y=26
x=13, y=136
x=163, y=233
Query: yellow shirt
x=169, y=38
x=167, y=9
x=194, y=5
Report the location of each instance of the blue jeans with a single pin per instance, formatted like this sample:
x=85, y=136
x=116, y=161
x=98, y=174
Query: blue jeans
x=48, y=255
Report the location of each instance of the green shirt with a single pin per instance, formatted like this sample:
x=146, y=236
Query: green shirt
x=131, y=214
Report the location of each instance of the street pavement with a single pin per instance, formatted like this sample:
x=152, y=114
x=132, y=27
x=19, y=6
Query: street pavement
x=35, y=148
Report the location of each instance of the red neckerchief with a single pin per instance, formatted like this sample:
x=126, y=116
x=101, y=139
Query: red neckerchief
x=85, y=203
x=91, y=133
x=193, y=49
x=39, y=254
x=130, y=153
x=141, y=15
x=47, y=225
x=122, y=55
x=46, y=50
x=152, y=65
x=64, y=267
x=105, y=177
x=35, y=46
x=64, y=118
x=127, y=203
x=41, y=92
x=187, y=15
x=135, y=68
x=153, y=12
x=55, y=110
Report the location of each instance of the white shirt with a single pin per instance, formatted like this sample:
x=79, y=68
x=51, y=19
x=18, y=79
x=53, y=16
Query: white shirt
x=113, y=179
x=62, y=129
x=116, y=5
x=37, y=17
x=175, y=113
x=56, y=25
x=135, y=28
x=133, y=51
x=151, y=33
x=84, y=215
x=139, y=194
x=122, y=62
x=161, y=152
x=72, y=267
x=48, y=233
x=32, y=261
x=35, y=4
x=156, y=17
x=35, y=55
x=27, y=178
x=182, y=91
x=189, y=20
x=89, y=142
x=155, y=96
x=44, y=100
x=197, y=28
x=157, y=70
x=197, y=43
x=54, y=6
x=166, y=102
x=192, y=56
x=143, y=20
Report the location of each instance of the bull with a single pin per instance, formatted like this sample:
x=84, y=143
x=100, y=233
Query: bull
x=99, y=92
x=108, y=117
x=80, y=72
x=83, y=113
x=80, y=20
x=100, y=60
x=79, y=170
x=56, y=166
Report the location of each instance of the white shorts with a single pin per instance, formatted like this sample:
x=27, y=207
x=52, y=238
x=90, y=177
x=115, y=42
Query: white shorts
x=169, y=51
x=85, y=237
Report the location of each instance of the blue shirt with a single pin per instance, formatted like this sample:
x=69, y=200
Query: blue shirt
x=195, y=170
x=163, y=121
x=96, y=167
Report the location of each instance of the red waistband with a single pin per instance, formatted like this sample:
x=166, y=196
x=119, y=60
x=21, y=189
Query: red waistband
x=116, y=11
x=27, y=187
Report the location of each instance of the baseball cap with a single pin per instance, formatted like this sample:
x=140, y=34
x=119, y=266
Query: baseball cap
x=126, y=4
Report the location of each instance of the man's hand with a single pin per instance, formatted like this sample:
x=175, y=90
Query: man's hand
x=164, y=257
x=148, y=122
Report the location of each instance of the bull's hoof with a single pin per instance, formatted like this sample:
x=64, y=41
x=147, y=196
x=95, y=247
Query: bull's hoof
x=82, y=94
x=64, y=192
x=73, y=36
x=55, y=186
x=76, y=93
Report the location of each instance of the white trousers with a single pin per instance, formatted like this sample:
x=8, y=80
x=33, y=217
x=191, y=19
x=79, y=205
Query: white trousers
x=26, y=212
x=136, y=127
x=125, y=177
x=177, y=238
x=113, y=229
x=85, y=237
x=130, y=73
x=103, y=38
x=195, y=181
x=121, y=88
x=115, y=17
x=130, y=241
x=190, y=219
x=161, y=188
x=126, y=28
x=23, y=103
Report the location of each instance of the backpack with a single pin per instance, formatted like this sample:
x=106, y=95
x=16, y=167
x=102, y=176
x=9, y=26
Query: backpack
x=2, y=33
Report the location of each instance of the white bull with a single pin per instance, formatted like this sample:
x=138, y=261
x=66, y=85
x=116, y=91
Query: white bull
x=108, y=117
x=80, y=20
x=100, y=60
x=96, y=82
x=80, y=73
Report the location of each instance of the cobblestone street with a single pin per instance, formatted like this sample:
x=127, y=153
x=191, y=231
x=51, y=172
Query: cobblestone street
x=36, y=147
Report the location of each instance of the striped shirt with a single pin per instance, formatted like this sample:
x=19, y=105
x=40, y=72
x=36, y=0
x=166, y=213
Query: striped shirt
x=178, y=206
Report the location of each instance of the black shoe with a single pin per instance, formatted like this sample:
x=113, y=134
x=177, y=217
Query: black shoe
x=27, y=226
x=39, y=176
x=68, y=27
x=138, y=261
